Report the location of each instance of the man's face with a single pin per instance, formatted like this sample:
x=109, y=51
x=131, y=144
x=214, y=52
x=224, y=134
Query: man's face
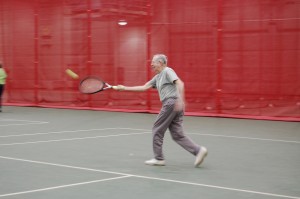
x=156, y=66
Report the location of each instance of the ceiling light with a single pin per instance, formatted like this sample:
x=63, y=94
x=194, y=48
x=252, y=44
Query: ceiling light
x=122, y=22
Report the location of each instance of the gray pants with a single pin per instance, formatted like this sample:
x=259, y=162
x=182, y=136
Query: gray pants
x=168, y=118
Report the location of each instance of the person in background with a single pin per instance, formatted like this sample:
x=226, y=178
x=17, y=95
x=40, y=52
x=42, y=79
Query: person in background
x=171, y=93
x=3, y=77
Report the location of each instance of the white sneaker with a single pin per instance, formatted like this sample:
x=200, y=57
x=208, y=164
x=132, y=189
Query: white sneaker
x=200, y=156
x=155, y=162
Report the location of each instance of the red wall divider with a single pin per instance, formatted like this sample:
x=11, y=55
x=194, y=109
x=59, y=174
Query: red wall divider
x=238, y=58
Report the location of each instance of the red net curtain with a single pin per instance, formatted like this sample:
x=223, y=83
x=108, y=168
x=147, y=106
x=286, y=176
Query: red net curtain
x=238, y=58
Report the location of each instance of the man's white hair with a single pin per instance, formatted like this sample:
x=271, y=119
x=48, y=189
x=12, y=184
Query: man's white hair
x=161, y=57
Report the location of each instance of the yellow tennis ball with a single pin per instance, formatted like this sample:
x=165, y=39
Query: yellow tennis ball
x=72, y=74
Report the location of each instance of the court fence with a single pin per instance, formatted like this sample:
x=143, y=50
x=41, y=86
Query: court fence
x=236, y=58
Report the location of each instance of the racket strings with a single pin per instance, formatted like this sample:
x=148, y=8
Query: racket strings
x=91, y=85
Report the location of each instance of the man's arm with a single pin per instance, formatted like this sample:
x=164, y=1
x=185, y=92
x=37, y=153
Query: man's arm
x=180, y=104
x=133, y=88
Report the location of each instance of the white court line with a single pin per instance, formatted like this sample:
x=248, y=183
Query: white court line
x=71, y=139
x=19, y=120
x=249, y=138
x=154, y=178
x=72, y=131
x=85, y=130
x=62, y=186
x=29, y=122
x=24, y=124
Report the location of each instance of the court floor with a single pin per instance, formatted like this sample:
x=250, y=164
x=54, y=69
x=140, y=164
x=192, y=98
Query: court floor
x=59, y=153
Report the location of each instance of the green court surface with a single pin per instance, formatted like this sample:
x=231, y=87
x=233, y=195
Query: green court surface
x=73, y=154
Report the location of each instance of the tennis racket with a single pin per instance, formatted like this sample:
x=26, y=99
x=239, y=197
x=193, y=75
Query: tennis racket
x=92, y=85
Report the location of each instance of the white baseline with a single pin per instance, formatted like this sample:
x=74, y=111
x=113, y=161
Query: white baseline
x=154, y=178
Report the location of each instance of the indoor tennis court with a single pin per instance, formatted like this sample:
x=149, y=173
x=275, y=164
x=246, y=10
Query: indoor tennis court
x=231, y=65
x=58, y=153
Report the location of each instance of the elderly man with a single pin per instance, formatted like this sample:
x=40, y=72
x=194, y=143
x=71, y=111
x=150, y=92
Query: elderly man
x=171, y=93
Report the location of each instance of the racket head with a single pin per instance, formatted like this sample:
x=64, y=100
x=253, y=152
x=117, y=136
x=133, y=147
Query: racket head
x=91, y=85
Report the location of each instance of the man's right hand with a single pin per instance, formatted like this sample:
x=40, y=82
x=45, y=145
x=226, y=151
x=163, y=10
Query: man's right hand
x=119, y=88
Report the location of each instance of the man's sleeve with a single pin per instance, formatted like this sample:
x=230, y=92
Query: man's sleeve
x=153, y=82
x=172, y=76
